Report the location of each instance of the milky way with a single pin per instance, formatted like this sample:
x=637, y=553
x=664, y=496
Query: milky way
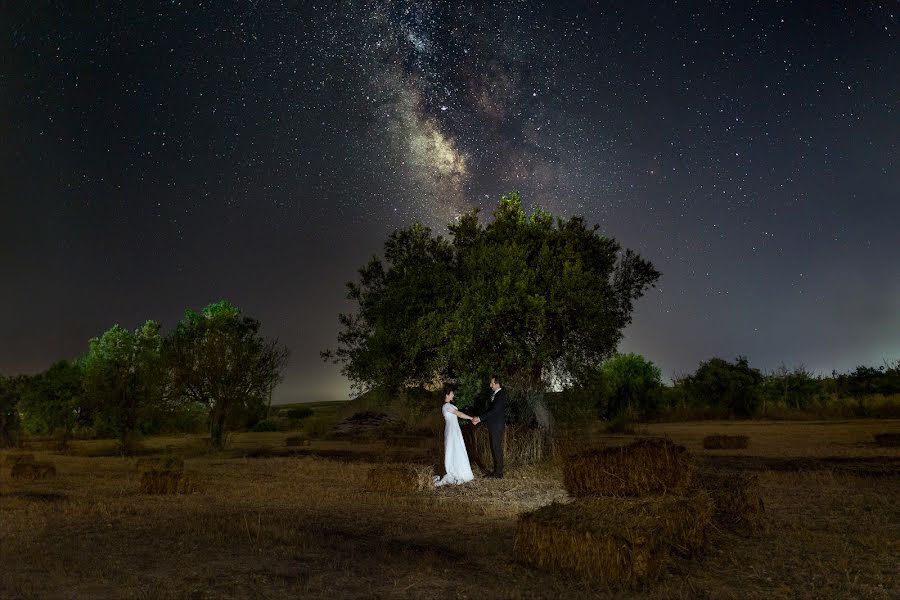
x=160, y=157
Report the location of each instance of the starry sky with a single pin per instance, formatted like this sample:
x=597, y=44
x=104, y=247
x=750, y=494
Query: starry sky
x=160, y=156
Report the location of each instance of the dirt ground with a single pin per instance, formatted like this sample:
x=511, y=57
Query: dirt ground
x=293, y=524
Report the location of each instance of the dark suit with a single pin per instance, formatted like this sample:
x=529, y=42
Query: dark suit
x=495, y=419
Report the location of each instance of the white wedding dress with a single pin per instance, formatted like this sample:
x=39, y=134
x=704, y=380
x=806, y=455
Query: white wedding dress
x=456, y=459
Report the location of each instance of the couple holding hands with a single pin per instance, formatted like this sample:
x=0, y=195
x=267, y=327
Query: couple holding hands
x=456, y=459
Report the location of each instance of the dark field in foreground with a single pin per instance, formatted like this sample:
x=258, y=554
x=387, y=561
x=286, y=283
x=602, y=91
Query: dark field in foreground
x=305, y=526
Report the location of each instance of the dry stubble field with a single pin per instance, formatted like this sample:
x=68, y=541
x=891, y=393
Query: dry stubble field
x=303, y=526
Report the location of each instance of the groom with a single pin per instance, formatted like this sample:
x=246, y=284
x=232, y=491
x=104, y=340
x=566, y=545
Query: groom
x=495, y=418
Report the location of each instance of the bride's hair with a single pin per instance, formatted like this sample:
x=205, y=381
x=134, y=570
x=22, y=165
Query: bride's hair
x=448, y=387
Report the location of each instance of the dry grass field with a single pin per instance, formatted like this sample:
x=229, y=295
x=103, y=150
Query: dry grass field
x=271, y=521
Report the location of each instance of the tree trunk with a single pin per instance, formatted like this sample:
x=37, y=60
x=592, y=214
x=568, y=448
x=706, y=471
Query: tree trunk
x=217, y=430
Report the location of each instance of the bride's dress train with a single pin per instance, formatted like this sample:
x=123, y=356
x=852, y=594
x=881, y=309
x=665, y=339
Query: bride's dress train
x=456, y=459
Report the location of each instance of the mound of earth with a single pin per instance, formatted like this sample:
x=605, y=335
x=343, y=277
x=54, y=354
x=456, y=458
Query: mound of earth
x=368, y=424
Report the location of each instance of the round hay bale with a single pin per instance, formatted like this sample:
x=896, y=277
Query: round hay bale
x=400, y=478
x=735, y=496
x=726, y=442
x=887, y=440
x=643, y=467
x=297, y=440
x=33, y=470
x=14, y=459
x=167, y=482
x=159, y=463
x=620, y=542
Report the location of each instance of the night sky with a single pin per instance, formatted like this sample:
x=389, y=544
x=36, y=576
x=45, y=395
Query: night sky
x=161, y=156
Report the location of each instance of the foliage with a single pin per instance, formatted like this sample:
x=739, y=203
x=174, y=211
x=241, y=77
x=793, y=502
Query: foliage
x=52, y=401
x=265, y=425
x=125, y=379
x=631, y=382
x=531, y=297
x=10, y=423
x=719, y=383
x=792, y=388
x=218, y=357
x=298, y=413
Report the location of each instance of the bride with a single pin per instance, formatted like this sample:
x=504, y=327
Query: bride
x=456, y=460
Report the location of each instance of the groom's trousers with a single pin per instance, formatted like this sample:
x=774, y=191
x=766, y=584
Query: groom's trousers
x=496, y=436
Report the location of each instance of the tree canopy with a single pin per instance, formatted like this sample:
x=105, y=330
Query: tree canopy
x=218, y=358
x=533, y=297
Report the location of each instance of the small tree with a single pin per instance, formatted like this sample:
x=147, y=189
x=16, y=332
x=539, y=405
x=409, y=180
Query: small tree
x=10, y=423
x=125, y=379
x=50, y=401
x=217, y=357
x=631, y=382
x=733, y=386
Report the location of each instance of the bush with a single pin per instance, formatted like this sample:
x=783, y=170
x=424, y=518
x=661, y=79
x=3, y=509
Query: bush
x=630, y=382
x=265, y=425
x=719, y=383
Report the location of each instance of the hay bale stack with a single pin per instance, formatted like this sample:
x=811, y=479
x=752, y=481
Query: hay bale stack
x=726, y=442
x=33, y=470
x=13, y=459
x=619, y=542
x=158, y=481
x=736, y=497
x=297, y=440
x=643, y=467
x=887, y=440
x=400, y=479
x=159, y=463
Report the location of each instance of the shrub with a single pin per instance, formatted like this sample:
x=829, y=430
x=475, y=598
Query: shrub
x=298, y=413
x=265, y=425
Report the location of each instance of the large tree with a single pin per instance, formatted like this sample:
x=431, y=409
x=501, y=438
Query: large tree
x=535, y=298
x=218, y=357
x=125, y=379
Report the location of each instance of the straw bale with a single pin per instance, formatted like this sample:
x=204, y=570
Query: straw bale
x=726, y=442
x=33, y=470
x=157, y=481
x=400, y=478
x=160, y=463
x=645, y=466
x=736, y=497
x=14, y=459
x=887, y=439
x=297, y=440
x=620, y=542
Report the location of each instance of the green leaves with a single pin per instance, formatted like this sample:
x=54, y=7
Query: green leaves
x=530, y=296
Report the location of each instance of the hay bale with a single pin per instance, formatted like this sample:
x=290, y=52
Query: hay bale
x=159, y=463
x=726, y=442
x=33, y=470
x=400, y=478
x=13, y=459
x=158, y=481
x=620, y=542
x=645, y=466
x=887, y=440
x=735, y=496
x=297, y=440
